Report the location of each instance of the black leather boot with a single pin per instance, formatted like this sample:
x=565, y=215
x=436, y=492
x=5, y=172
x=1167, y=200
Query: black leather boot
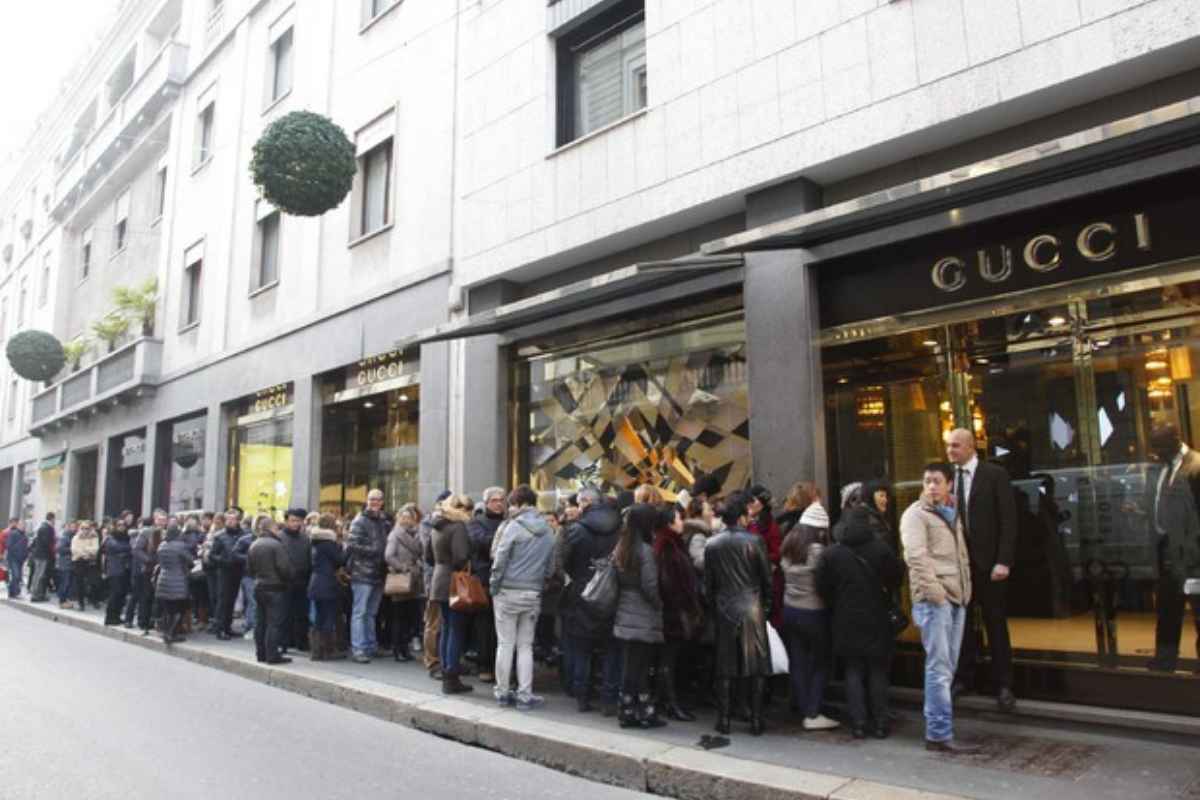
x=757, y=692
x=627, y=711
x=647, y=713
x=723, y=690
x=667, y=695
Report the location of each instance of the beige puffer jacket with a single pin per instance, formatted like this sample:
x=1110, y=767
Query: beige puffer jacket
x=939, y=567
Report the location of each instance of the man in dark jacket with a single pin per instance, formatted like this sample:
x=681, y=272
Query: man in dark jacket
x=269, y=565
x=62, y=564
x=593, y=537
x=144, y=559
x=42, y=551
x=482, y=530
x=366, y=547
x=737, y=581
x=16, y=550
x=229, y=574
x=299, y=548
x=241, y=558
x=983, y=496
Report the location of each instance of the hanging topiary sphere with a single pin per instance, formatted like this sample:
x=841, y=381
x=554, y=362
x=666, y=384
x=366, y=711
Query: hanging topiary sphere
x=304, y=164
x=35, y=355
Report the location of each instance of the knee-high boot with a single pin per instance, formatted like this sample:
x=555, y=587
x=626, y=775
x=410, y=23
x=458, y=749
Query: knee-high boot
x=724, y=688
x=668, y=698
x=757, y=691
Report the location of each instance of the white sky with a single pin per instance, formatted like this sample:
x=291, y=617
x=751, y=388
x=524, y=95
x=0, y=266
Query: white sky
x=40, y=42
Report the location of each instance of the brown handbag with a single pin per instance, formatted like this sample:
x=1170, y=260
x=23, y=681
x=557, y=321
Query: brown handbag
x=466, y=592
x=398, y=584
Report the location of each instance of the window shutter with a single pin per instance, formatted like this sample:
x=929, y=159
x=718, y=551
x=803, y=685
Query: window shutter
x=193, y=254
x=598, y=80
x=87, y=237
x=375, y=132
x=123, y=206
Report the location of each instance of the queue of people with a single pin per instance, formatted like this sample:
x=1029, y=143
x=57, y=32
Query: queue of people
x=697, y=589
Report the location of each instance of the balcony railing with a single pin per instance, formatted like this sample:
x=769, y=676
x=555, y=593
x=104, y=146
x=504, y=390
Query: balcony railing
x=137, y=109
x=122, y=376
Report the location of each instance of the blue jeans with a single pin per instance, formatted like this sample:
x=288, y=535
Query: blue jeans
x=451, y=638
x=367, y=597
x=806, y=632
x=64, y=584
x=581, y=657
x=941, y=636
x=249, y=604
x=15, y=570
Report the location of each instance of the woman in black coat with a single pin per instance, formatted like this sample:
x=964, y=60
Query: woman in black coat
x=854, y=579
x=323, y=587
x=171, y=589
x=118, y=564
x=683, y=614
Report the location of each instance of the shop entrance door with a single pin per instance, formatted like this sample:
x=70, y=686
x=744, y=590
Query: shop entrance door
x=85, y=469
x=1066, y=396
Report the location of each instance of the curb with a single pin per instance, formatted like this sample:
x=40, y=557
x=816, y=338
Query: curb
x=610, y=757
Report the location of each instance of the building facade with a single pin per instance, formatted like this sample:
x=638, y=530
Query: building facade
x=623, y=241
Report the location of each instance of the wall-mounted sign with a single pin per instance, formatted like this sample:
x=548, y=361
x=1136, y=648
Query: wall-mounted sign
x=375, y=369
x=1149, y=223
x=270, y=399
x=133, y=451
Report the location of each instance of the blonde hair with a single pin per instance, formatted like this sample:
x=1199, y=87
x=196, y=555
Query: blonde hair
x=646, y=493
x=326, y=521
x=460, y=501
x=802, y=495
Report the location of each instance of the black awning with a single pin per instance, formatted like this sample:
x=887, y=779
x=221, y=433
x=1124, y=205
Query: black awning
x=623, y=282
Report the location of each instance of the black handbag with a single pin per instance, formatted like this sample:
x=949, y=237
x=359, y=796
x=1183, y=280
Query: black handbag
x=896, y=618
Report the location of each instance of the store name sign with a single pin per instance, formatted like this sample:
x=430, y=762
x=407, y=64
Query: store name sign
x=271, y=399
x=375, y=369
x=1042, y=253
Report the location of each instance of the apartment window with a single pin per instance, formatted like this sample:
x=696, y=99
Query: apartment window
x=374, y=8
x=44, y=288
x=191, y=293
x=22, y=301
x=204, y=133
x=602, y=71
x=121, y=223
x=266, y=248
x=374, y=184
x=85, y=254
x=281, y=66
x=12, y=399
x=162, y=193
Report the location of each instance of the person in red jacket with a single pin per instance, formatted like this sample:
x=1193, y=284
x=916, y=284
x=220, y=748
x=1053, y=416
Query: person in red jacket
x=762, y=523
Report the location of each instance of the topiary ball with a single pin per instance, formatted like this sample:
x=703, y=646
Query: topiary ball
x=35, y=355
x=304, y=164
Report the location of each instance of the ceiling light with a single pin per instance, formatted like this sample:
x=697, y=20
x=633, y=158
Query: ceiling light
x=1057, y=321
x=403, y=398
x=368, y=404
x=930, y=343
x=981, y=361
x=843, y=380
x=1156, y=363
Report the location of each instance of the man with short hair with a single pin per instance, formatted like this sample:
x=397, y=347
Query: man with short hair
x=62, y=564
x=939, y=579
x=983, y=499
x=481, y=530
x=16, y=550
x=366, y=547
x=229, y=574
x=145, y=557
x=299, y=548
x=267, y=562
x=42, y=551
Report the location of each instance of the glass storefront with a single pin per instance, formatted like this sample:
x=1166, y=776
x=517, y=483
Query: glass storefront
x=370, y=433
x=658, y=408
x=260, y=453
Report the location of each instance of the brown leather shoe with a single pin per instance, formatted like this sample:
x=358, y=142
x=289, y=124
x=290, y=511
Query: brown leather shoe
x=952, y=747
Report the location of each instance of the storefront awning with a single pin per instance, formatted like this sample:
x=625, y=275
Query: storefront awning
x=1122, y=141
x=623, y=282
x=50, y=462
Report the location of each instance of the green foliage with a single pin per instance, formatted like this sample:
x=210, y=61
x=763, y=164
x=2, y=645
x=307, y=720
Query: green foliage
x=74, y=350
x=304, y=164
x=110, y=328
x=35, y=355
x=138, y=303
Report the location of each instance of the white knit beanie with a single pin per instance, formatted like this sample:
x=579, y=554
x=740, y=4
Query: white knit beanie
x=814, y=516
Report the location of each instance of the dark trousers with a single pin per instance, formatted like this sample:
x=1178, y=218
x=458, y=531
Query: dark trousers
x=198, y=589
x=229, y=582
x=483, y=629
x=582, y=651
x=139, y=601
x=297, y=623
x=86, y=577
x=40, y=579
x=327, y=615
x=270, y=622
x=1168, y=628
x=118, y=588
x=171, y=617
x=212, y=580
x=451, y=639
x=65, y=580
x=991, y=598
x=806, y=633
x=636, y=658
x=867, y=682
x=406, y=623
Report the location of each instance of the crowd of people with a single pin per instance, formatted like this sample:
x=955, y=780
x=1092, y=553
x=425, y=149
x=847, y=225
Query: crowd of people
x=698, y=587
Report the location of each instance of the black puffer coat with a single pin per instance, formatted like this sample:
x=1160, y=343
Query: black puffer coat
x=737, y=583
x=118, y=555
x=174, y=564
x=593, y=536
x=855, y=593
x=481, y=530
x=366, y=546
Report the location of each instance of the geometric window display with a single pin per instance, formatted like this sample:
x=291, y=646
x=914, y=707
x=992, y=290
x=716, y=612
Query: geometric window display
x=660, y=410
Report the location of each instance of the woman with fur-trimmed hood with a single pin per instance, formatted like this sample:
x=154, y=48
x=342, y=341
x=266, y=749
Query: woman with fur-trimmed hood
x=449, y=548
x=323, y=587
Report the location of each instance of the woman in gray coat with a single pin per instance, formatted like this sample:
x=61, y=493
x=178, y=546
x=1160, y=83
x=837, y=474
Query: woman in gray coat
x=639, y=621
x=174, y=564
x=403, y=556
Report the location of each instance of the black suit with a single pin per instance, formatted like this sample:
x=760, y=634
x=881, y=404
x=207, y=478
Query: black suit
x=991, y=532
x=1175, y=525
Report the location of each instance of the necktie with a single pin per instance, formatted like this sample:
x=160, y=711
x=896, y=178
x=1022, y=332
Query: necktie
x=960, y=495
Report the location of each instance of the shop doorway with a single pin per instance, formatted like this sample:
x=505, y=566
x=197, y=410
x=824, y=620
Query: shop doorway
x=85, y=473
x=6, y=487
x=126, y=473
x=1064, y=390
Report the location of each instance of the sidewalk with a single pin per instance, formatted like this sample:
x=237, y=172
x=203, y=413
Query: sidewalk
x=1060, y=760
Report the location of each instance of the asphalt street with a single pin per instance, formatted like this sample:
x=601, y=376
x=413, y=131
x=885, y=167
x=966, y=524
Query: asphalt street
x=89, y=718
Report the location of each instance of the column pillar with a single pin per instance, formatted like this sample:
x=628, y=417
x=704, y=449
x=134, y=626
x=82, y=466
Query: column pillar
x=306, y=442
x=149, y=468
x=216, y=446
x=787, y=422
x=486, y=415
x=434, y=434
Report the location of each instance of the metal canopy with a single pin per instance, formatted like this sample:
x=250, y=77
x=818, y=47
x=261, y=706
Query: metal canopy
x=623, y=282
x=1169, y=127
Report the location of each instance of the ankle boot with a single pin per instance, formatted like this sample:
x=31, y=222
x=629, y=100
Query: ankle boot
x=741, y=700
x=316, y=646
x=627, y=711
x=452, y=685
x=647, y=714
x=723, y=690
x=757, y=691
x=670, y=702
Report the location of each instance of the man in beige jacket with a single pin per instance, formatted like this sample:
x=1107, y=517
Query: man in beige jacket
x=939, y=577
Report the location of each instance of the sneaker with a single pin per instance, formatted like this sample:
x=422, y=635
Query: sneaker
x=820, y=723
x=530, y=703
x=362, y=658
x=487, y=677
x=504, y=700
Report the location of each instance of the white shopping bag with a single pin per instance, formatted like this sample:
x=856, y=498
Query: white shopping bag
x=779, y=659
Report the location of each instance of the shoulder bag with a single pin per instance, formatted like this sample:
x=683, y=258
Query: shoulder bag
x=466, y=592
x=896, y=618
x=600, y=593
x=398, y=584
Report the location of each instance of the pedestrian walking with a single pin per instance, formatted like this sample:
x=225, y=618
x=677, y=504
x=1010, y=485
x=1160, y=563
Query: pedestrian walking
x=41, y=551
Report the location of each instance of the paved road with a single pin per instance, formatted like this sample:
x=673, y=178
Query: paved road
x=84, y=716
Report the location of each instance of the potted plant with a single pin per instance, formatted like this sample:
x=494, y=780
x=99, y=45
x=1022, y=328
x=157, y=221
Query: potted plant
x=139, y=303
x=35, y=355
x=75, y=350
x=110, y=329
